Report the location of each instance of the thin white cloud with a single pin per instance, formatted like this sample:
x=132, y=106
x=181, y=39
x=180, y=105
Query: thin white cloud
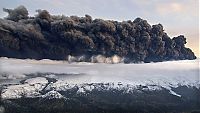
x=169, y=8
x=181, y=8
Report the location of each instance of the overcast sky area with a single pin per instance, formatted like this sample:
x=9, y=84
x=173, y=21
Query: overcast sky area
x=177, y=16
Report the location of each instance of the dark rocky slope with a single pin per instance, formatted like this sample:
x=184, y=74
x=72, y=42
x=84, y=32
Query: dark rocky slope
x=56, y=37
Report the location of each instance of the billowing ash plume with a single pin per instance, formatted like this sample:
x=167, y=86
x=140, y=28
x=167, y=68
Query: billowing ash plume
x=57, y=37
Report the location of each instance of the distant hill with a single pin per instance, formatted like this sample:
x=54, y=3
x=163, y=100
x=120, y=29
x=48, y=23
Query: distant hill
x=57, y=37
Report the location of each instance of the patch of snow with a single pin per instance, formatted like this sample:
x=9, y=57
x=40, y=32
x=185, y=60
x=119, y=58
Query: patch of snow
x=31, y=88
x=154, y=87
x=60, y=86
x=80, y=90
x=51, y=76
x=174, y=93
x=24, y=90
x=52, y=95
x=37, y=80
x=89, y=87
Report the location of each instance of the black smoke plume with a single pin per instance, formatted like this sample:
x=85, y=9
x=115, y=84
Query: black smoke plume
x=57, y=37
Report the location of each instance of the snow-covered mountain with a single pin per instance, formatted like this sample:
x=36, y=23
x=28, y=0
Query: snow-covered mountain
x=31, y=78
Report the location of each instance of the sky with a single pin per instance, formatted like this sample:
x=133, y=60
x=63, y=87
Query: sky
x=179, y=17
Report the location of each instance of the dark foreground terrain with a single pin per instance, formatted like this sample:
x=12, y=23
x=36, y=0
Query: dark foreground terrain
x=56, y=37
